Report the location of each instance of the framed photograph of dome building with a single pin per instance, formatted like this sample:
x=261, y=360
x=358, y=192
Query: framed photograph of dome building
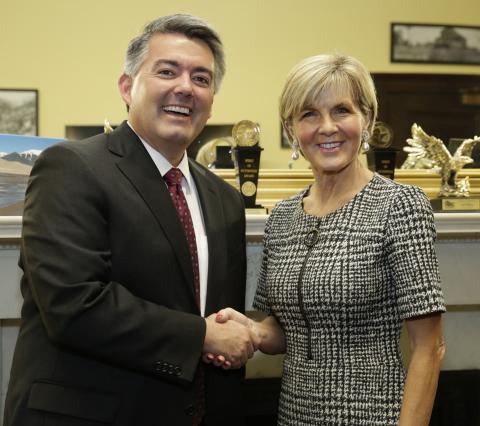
x=435, y=44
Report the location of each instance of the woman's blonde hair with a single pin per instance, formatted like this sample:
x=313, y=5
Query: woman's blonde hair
x=310, y=77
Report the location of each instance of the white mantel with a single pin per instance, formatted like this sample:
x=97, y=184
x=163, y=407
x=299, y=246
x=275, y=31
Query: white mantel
x=10, y=227
x=447, y=224
x=458, y=250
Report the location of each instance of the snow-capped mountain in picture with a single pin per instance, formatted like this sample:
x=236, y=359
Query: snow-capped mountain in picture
x=17, y=156
x=25, y=157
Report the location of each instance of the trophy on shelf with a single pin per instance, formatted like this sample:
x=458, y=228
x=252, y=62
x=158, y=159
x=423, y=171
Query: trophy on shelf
x=107, y=127
x=246, y=135
x=432, y=153
x=382, y=157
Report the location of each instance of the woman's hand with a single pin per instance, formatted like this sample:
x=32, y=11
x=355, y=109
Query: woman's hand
x=228, y=314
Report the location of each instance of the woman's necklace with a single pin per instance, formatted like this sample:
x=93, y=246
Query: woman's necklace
x=314, y=234
x=310, y=240
x=312, y=237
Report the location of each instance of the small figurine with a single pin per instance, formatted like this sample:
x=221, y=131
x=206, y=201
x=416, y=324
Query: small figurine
x=431, y=151
x=107, y=128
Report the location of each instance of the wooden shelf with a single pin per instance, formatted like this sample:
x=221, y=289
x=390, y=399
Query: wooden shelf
x=277, y=184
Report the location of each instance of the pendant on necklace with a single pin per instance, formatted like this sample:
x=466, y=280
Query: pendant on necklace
x=312, y=237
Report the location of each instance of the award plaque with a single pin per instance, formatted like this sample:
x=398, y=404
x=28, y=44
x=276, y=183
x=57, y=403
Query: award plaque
x=246, y=135
x=456, y=204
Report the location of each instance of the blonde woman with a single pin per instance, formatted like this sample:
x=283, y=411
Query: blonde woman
x=345, y=263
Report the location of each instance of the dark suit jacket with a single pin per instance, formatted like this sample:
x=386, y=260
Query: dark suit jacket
x=111, y=333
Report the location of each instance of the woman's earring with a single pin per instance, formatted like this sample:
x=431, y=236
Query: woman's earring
x=365, y=138
x=296, y=150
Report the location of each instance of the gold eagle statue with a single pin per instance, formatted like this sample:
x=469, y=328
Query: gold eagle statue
x=107, y=128
x=432, y=153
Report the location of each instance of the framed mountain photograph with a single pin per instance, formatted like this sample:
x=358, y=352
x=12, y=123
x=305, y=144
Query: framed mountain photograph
x=17, y=155
x=19, y=111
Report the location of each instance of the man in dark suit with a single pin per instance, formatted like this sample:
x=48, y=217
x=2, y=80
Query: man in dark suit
x=117, y=295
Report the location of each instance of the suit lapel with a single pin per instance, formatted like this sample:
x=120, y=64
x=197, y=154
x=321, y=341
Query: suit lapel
x=215, y=229
x=137, y=166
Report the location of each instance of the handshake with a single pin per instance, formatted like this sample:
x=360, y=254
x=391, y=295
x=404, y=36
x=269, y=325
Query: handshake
x=230, y=340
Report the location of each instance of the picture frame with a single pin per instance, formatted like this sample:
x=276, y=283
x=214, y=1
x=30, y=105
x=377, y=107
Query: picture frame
x=434, y=43
x=19, y=111
x=18, y=153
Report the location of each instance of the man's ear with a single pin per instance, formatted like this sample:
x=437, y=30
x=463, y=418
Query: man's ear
x=125, y=83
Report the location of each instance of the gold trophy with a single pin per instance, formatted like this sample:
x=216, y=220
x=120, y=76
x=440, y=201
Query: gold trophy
x=431, y=151
x=383, y=155
x=107, y=127
x=246, y=135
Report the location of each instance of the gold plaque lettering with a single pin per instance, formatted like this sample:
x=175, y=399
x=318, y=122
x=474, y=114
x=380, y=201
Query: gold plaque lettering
x=453, y=204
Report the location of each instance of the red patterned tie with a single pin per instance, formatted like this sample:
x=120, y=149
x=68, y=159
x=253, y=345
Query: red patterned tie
x=173, y=178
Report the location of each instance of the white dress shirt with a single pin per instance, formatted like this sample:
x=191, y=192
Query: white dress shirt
x=191, y=195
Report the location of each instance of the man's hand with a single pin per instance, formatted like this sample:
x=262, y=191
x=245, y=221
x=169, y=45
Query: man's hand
x=231, y=314
x=228, y=343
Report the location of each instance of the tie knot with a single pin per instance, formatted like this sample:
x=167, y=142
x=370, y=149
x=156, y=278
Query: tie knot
x=173, y=176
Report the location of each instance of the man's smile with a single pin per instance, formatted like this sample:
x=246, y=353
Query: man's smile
x=177, y=109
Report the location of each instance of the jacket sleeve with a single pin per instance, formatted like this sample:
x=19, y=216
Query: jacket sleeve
x=410, y=248
x=66, y=258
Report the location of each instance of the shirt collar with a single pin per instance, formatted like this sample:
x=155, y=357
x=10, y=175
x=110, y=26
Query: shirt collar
x=163, y=165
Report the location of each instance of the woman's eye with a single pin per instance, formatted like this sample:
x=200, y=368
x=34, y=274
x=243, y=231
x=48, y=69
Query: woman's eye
x=342, y=110
x=306, y=114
